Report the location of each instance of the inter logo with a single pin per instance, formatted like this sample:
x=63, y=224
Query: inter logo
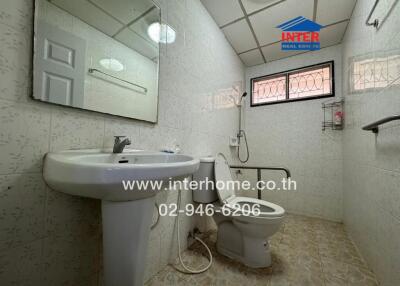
x=300, y=34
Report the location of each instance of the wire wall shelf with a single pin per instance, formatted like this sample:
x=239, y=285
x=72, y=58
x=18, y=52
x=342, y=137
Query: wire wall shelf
x=333, y=115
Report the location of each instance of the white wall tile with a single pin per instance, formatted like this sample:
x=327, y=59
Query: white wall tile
x=196, y=72
x=14, y=64
x=22, y=265
x=17, y=14
x=72, y=129
x=22, y=207
x=290, y=135
x=24, y=135
x=371, y=180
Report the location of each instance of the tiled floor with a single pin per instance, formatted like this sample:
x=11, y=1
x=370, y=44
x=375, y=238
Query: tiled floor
x=306, y=252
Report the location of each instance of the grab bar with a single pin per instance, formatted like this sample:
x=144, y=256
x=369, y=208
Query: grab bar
x=374, y=127
x=288, y=175
x=375, y=23
x=93, y=70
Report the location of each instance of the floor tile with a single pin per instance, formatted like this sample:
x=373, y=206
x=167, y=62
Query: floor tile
x=305, y=252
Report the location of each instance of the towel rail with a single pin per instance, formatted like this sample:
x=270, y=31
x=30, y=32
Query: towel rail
x=93, y=70
x=375, y=23
x=374, y=127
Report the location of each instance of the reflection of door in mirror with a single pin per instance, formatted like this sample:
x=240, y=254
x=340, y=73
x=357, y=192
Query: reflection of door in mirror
x=60, y=66
x=98, y=55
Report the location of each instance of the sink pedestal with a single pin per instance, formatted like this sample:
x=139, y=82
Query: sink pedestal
x=126, y=229
x=127, y=215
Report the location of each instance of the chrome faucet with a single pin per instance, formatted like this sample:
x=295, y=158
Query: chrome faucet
x=119, y=144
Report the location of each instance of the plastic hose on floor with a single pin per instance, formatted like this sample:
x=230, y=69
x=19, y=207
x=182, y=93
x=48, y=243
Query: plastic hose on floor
x=190, y=271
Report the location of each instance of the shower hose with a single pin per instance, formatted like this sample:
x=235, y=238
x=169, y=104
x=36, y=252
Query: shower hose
x=189, y=270
x=243, y=133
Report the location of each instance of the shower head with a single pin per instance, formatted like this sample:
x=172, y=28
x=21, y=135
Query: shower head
x=241, y=98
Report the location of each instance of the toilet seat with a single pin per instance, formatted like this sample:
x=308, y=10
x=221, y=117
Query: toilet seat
x=267, y=209
x=229, y=199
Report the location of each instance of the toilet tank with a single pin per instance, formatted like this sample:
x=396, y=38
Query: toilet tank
x=205, y=193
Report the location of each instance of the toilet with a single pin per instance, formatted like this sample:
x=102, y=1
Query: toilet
x=242, y=235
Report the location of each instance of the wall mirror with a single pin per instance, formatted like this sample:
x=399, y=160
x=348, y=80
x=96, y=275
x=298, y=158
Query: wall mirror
x=99, y=55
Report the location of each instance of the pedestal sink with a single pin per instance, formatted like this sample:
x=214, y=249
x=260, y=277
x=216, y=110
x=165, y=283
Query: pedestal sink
x=126, y=214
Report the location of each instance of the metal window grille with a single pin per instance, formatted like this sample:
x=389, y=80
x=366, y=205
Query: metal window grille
x=305, y=83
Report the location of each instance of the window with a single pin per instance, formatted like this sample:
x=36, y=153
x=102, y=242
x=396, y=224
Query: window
x=305, y=83
x=374, y=72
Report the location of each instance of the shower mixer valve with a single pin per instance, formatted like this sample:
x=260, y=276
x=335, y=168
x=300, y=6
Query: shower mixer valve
x=234, y=141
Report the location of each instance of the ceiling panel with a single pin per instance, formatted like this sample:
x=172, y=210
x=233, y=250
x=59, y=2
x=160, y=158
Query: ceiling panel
x=266, y=15
x=137, y=43
x=223, y=11
x=329, y=11
x=332, y=35
x=90, y=14
x=254, y=5
x=124, y=10
x=273, y=52
x=240, y=36
x=265, y=22
x=252, y=58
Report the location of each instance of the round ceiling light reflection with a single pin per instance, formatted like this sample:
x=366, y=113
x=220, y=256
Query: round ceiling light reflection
x=161, y=33
x=112, y=64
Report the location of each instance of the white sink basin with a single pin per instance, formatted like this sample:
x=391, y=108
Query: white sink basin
x=127, y=214
x=98, y=174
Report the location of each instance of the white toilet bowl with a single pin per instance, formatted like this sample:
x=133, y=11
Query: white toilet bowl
x=243, y=235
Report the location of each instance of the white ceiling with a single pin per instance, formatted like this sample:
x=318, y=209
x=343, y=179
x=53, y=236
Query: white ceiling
x=123, y=20
x=249, y=25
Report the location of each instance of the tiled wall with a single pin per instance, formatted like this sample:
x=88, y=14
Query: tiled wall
x=48, y=238
x=372, y=162
x=289, y=134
